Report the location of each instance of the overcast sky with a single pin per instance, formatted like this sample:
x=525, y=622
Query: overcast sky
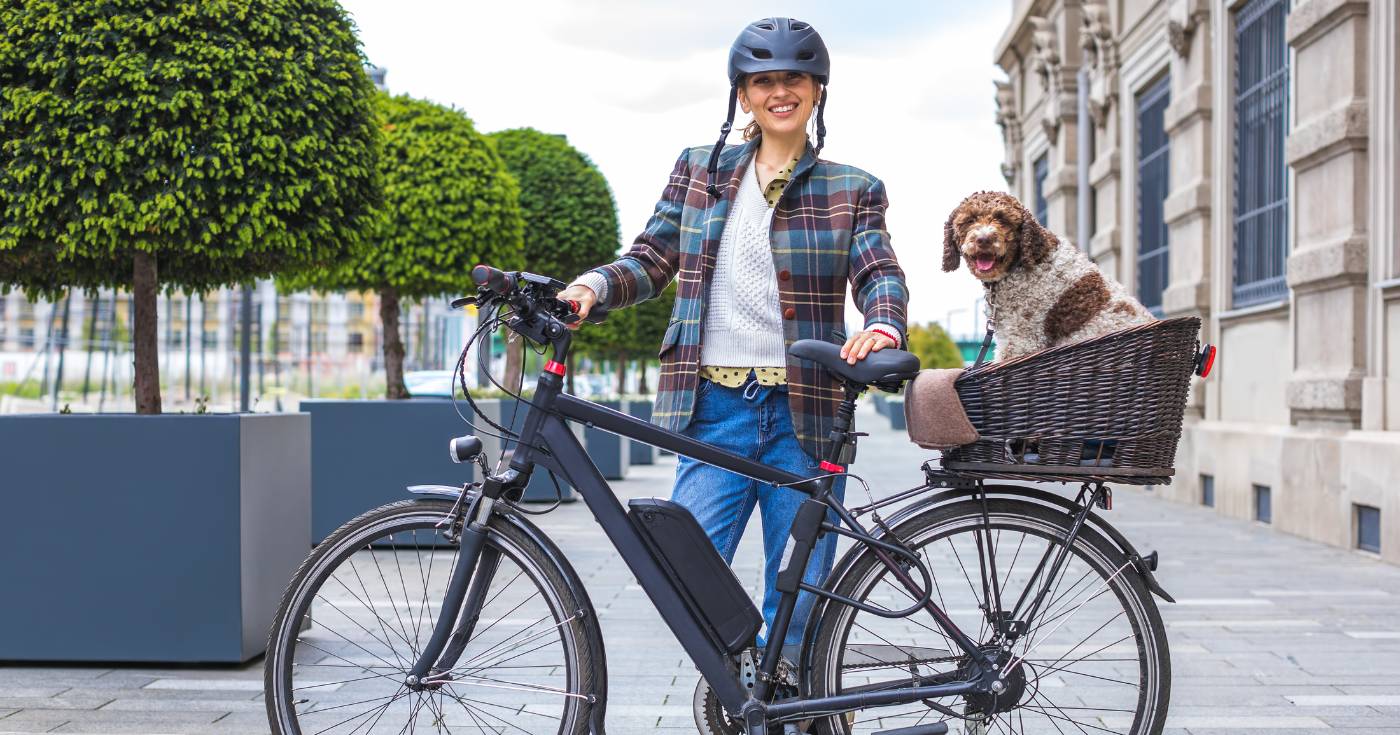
x=632, y=83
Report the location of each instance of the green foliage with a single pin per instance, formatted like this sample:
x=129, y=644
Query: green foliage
x=449, y=204
x=231, y=139
x=570, y=215
x=933, y=346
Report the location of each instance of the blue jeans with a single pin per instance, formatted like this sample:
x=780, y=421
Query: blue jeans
x=754, y=421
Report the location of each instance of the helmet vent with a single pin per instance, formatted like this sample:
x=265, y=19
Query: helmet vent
x=760, y=53
x=798, y=25
x=766, y=26
x=805, y=56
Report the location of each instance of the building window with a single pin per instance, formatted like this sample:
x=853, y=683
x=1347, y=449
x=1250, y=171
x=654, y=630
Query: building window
x=1153, y=162
x=1208, y=490
x=1263, y=504
x=355, y=342
x=1042, y=207
x=1261, y=174
x=1368, y=528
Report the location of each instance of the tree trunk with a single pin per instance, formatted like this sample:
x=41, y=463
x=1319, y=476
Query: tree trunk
x=642, y=387
x=515, y=361
x=393, y=344
x=96, y=303
x=145, y=333
x=621, y=373
x=62, y=350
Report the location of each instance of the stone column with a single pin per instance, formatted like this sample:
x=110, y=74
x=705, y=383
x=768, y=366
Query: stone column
x=1327, y=270
x=1101, y=59
x=1055, y=55
x=1187, y=210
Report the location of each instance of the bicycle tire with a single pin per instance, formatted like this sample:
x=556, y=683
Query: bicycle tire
x=568, y=616
x=921, y=532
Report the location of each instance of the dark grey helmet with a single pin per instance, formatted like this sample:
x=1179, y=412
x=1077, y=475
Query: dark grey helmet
x=773, y=44
x=779, y=44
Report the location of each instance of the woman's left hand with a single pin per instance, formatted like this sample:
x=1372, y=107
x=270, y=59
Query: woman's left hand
x=863, y=343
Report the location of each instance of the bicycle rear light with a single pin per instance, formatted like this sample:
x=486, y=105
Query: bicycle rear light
x=1205, y=360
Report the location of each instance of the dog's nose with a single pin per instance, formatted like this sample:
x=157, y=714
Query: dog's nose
x=983, y=239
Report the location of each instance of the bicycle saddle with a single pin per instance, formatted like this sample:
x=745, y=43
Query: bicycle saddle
x=888, y=366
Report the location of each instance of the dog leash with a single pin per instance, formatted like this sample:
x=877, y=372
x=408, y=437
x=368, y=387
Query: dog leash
x=991, y=329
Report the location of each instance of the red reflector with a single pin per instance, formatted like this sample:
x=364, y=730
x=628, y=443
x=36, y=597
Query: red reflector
x=829, y=467
x=1206, y=361
x=554, y=367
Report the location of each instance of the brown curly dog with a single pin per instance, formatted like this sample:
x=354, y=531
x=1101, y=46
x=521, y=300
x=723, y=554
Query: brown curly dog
x=1041, y=290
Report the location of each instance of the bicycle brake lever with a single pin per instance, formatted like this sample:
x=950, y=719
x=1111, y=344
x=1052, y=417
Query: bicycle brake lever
x=463, y=301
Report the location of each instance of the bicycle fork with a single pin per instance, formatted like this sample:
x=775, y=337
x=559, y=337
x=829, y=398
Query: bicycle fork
x=461, y=606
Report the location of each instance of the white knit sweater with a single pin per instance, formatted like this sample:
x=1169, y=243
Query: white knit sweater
x=743, y=318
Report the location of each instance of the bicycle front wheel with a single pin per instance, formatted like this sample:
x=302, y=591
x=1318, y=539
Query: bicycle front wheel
x=360, y=609
x=1092, y=657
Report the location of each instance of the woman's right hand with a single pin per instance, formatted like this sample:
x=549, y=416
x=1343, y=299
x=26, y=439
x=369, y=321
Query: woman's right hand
x=585, y=297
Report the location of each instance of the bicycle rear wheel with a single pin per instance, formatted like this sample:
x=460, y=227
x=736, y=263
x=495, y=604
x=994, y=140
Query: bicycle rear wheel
x=1093, y=659
x=359, y=610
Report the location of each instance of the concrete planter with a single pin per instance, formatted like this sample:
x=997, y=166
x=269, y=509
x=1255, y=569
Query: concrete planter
x=894, y=408
x=610, y=452
x=149, y=538
x=365, y=453
x=881, y=403
x=641, y=453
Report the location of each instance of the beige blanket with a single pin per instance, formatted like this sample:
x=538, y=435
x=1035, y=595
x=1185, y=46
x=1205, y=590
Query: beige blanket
x=933, y=413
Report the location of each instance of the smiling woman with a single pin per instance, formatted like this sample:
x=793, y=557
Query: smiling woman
x=762, y=240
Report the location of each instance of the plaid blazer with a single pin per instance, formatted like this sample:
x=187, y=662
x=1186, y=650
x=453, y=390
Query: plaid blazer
x=828, y=230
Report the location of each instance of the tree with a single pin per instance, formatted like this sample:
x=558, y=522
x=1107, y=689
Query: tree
x=159, y=144
x=449, y=204
x=933, y=346
x=570, y=214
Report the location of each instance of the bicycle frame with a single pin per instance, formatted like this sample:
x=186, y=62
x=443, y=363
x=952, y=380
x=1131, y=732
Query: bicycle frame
x=546, y=440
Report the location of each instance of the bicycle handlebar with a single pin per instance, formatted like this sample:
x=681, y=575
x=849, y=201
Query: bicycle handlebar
x=493, y=279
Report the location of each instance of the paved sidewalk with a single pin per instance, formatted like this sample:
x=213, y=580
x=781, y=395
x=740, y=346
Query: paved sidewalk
x=1271, y=633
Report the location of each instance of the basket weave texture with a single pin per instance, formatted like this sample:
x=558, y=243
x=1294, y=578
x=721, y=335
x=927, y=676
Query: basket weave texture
x=1107, y=408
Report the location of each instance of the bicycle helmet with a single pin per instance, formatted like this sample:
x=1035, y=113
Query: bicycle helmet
x=773, y=44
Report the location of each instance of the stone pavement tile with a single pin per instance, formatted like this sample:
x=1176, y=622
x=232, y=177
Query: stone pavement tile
x=107, y=721
x=148, y=704
x=13, y=692
x=64, y=702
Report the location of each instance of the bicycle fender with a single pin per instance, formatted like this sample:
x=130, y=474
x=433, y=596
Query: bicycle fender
x=1145, y=566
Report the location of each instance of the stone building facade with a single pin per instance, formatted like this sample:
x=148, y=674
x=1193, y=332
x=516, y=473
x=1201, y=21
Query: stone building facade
x=1237, y=160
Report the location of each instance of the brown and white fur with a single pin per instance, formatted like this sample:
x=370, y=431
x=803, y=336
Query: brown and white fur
x=1042, y=291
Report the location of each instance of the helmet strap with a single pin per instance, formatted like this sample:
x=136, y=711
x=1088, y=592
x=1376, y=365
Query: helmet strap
x=821, y=122
x=724, y=129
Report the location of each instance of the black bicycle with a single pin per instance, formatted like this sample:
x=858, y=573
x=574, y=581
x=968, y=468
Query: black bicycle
x=989, y=608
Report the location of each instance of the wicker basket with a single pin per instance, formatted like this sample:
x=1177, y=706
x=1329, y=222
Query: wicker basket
x=1105, y=409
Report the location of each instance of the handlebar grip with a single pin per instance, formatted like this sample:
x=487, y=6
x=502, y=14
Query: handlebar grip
x=494, y=279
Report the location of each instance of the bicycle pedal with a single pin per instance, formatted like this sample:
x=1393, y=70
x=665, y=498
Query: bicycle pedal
x=933, y=728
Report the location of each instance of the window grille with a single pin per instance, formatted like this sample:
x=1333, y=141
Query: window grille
x=1263, y=504
x=1368, y=528
x=1261, y=174
x=1153, y=163
x=1042, y=208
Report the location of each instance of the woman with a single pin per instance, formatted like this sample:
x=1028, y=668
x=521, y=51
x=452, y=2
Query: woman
x=763, y=238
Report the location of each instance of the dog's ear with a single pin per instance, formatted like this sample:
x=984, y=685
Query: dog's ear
x=1036, y=241
x=951, y=256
